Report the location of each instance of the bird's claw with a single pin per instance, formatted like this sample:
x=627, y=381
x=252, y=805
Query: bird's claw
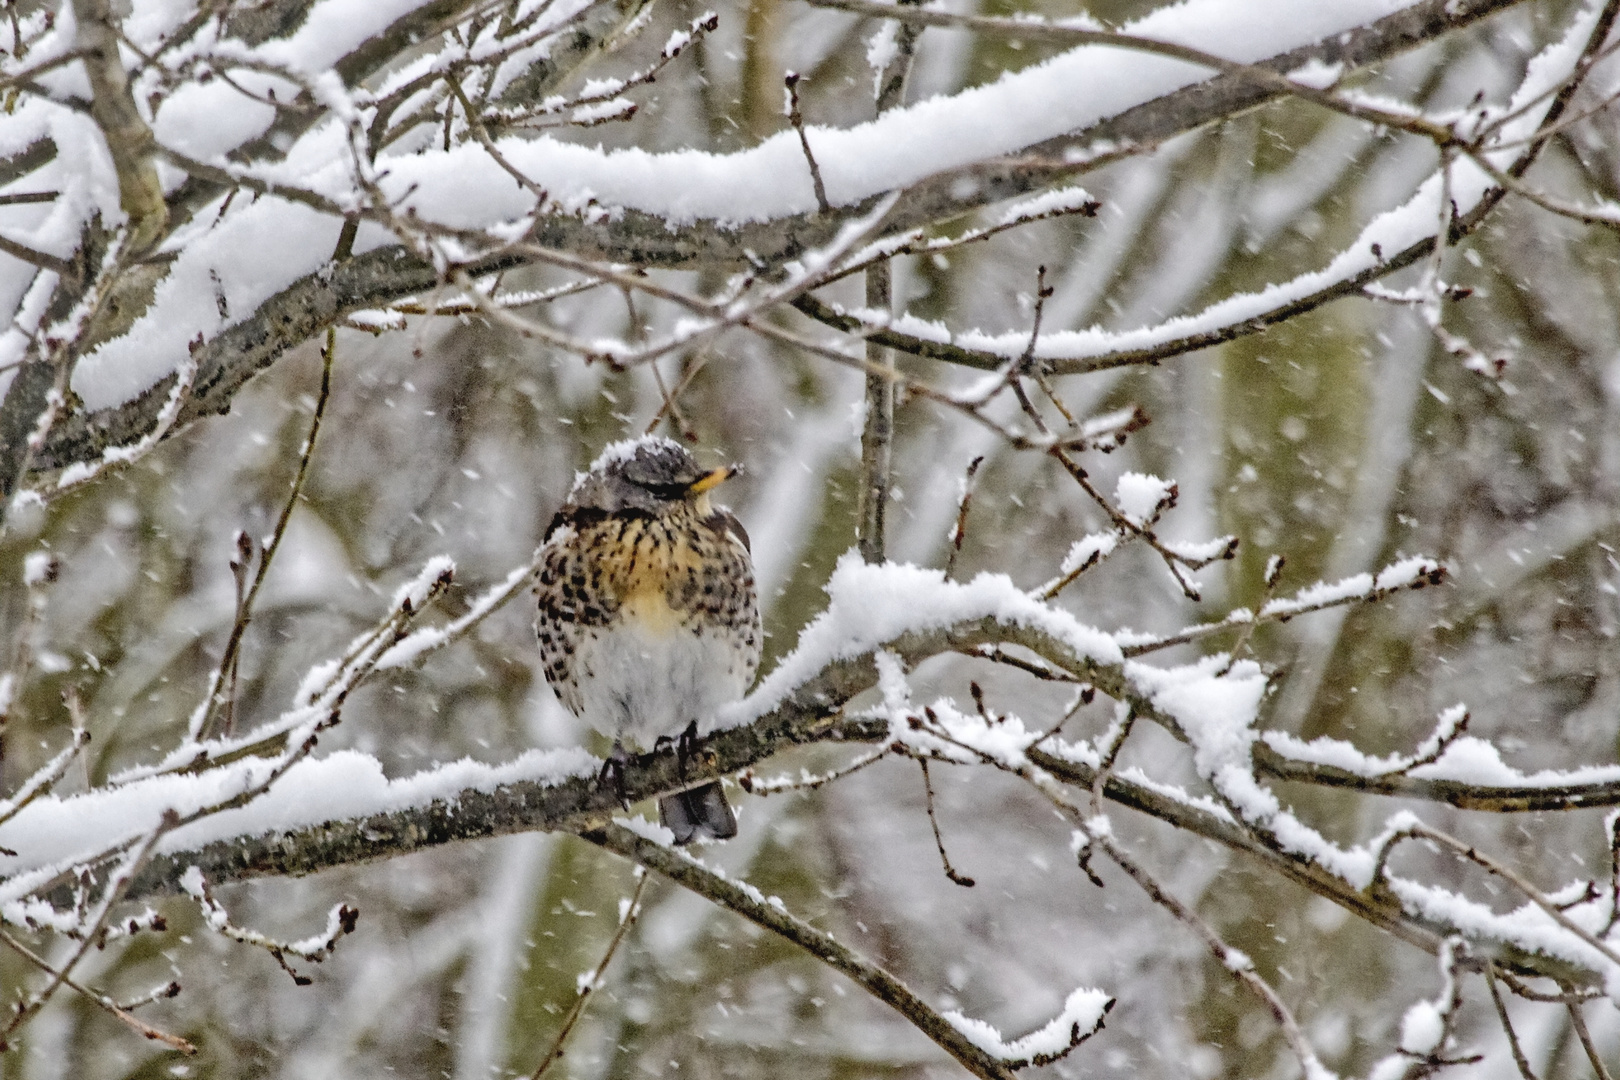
x=686, y=748
x=612, y=774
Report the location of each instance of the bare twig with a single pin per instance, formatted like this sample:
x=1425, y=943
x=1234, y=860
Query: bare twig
x=1268, y=586
x=136, y=857
x=1275, y=611
x=1519, y=1059
x=933, y=823
x=202, y=725
x=120, y=1011
x=1234, y=961
x=959, y=529
x=588, y=984
x=796, y=118
x=748, y=903
x=1578, y=1019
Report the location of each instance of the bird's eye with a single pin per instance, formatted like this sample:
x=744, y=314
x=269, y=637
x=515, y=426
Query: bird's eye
x=669, y=492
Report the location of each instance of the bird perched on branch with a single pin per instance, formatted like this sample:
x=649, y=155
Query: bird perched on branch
x=649, y=618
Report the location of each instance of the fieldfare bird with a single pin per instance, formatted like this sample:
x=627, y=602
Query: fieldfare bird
x=649, y=619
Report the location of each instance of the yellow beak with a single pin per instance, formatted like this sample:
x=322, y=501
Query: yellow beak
x=713, y=479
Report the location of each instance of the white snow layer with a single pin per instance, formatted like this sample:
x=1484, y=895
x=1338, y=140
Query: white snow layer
x=54, y=832
x=872, y=605
x=1080, y=1014
x=259, y=249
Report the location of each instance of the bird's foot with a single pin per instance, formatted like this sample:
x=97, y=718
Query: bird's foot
x=686, y=748
x=612, y=774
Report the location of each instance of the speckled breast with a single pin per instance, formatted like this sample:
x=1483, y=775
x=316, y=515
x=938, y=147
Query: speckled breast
x=647, y=623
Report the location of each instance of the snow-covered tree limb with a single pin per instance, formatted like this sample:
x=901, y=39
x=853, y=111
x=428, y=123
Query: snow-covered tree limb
x=320, y=299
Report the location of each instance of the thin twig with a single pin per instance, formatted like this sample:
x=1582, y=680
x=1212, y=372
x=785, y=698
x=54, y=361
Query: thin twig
x=1507, y=1024
x=693, y=875
x=203, y=728
x=806, y=781
x=90, y=934
x=959, y=530
x=121, y=1012
x=691, y=365
x=1235, y=962
x=33, y=255
x=933, y=823
x=1579, y=1020
x=796, y=118
x=588, y=986
x=1283, y=612
x=670, y=408
x=1268, y=587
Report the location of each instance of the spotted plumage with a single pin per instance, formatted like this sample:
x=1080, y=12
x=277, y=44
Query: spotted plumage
x=648, y=617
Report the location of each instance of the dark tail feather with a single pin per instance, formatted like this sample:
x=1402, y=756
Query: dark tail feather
x=700, y=811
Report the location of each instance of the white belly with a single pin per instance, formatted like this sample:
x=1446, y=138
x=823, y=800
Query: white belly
x=637, y=684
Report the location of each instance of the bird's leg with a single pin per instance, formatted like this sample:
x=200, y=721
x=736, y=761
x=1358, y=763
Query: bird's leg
x=612, y=774
x=686, y=748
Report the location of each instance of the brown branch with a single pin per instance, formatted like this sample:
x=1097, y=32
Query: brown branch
x=1502, y=1017
x=587, y=988
x=27, y=254
x=305, y=308
x=244, y=609
x=693, y=875
x=129, y=140
x=1578, y=1019
x=810, y=713
x=120, y=1012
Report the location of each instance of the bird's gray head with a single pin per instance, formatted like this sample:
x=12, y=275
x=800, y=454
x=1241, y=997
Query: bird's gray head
x=650, y=474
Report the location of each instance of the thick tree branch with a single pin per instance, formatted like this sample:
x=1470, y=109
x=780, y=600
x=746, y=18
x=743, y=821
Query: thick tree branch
x=306, y=308
x=810, y=713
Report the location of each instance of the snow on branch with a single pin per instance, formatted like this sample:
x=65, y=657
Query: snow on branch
x=1391, y=241
x=1428, y=1027
x=1413, y=573
x=341, y=809
x=340, y=921
x=123, y=369
x=1081, y=1017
